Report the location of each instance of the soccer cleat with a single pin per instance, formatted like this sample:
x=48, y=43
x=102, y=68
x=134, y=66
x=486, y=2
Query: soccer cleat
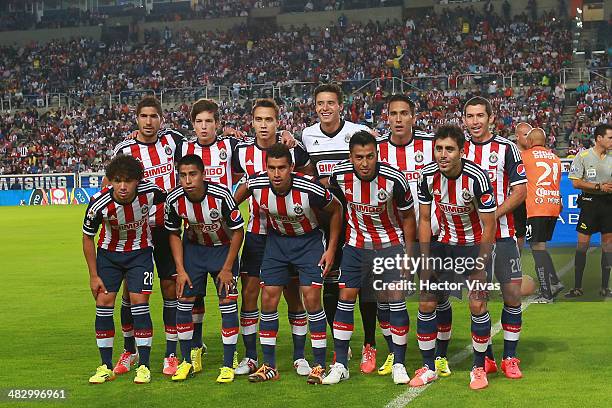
x=510, y=367
x=422, y=376
x=316, y=375
x=387, y=367
x=143, y=375
x=246, y=366
x=574, y=293
x=490, y=365
x=183, y=371
x=170, y=365
x=478, y=378
x=605, y=292
x=542, y=300
x=368, y=359
x=556, y=289
x=337, y=373
x=196, y=359
x=226, y=375
x=265, y=373
x=126, y=361
x=102, y=375
x=400, y=376
x=442, y=368
x=302, y=367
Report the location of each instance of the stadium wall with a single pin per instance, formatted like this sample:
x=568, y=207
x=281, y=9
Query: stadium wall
x=324, y=18
x=517, y=6
x=46, y=35
x=223, y=24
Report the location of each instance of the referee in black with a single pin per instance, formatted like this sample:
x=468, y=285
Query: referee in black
x=591, y=172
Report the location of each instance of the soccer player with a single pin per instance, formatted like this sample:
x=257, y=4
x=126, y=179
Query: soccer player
x=290, y=201
x=543, y=201
x=501, y=159
x=520, y=213
x=125, y=251
x=250, y=158
x=211, y=241
x=591, y=172
x=327, y=144
x=464, y=196
x=155, y=149
x=409, y=150
x=381, y=224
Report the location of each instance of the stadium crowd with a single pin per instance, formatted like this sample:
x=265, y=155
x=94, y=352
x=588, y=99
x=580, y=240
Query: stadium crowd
x=593, y=106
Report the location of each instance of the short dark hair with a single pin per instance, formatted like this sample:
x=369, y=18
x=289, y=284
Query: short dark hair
x=402, y=98
x=602, y=129
x=204, y=105
x=479, y=100
x=149, y=101
x=191, y=159
x=452, y=131
x=265, y=103
x=361, y=138
x=278, y=151
x=125, y=167
x=333, y=88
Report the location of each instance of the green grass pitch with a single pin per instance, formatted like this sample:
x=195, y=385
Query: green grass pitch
x=48, y=340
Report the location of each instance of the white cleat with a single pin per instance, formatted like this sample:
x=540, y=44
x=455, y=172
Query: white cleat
x=336, y=374
x=399, y=374
x=302, y=367
x=246, y=366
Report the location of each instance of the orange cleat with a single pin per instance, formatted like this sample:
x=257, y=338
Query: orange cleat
x=368, y=360
x=126, y=361
x=478, y=379
x=490, y=366
x=170, y=365
x=510, y=367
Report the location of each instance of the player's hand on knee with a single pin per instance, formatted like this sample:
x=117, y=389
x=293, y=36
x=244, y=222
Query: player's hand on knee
x=97, y=286
x=182, y=279
x=327, y=261
x=225, y=281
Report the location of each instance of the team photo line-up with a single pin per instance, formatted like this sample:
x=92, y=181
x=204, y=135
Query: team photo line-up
x=324, y=212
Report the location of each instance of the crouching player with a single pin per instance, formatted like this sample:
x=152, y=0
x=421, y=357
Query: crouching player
x=463, y=194
x=290, y=201
x=125, y=251
x=212, y=237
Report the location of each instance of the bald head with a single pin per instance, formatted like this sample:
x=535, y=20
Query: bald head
x=537, y=137
x=521, y=131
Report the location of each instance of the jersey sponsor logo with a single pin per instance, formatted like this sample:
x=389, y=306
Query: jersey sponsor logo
x=235, y=215
x=365, y=209
x=144, y=209
x=168, y=150
x=325, y=167
x=591, y=173
x=466, y=195
x=487, y=199
x=542, y=192
x=493, y=158
x=543, y=154
x=222, y=154
x=418, y=157
x=214, y=171
x=159, y=170
x=520, y=170
x=286, y=218
x=214, y=214
x=454, y=209
x=130, y=225
x=412, y=176
x=207, y=228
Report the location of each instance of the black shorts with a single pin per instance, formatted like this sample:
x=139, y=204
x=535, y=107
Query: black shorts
x=520, y=220
x=540, y=229
x=595, y=214
x=164, y=262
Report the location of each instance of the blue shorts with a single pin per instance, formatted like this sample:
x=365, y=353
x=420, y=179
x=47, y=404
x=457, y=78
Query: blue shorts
x=252, y=256
x=357, y=267
x=201, y=261
x=164, y=262
x=507, y=261
x=136, y=267
x=282, y=253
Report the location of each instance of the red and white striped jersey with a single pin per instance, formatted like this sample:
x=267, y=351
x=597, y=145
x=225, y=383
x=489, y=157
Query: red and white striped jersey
x=501, y=159
x=208, y=222
x=291, y=214
x=250, y=159
x=158, y=162
x=372, y=207
x=125, y=227
x=459, y=200
x=216, y=156
x=410, y=159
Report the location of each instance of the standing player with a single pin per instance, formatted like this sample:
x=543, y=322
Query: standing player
x=501, y=159
x=591, y=172
x=381, y=224
x=409, y=150
x=543, y=201
x=520, y=213
x=250, y=158
x=211, y=241
x=294, y=240
x=155, y=149
x=327, y=144
x=464, y=196
x=125, y=251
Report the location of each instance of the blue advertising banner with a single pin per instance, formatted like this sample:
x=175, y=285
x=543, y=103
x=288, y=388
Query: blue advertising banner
x=35, y=181
x=54, y=196
x=90, y=180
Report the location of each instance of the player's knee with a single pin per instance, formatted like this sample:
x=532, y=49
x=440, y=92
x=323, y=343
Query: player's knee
x=478, y=307
x=427, y=307
x=312, y=299
x=168, y=288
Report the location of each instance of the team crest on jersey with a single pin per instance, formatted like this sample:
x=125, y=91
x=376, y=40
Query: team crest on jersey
x=493, y=158
x=418, y=157
x=91, y=214
x=382, y=195
x=168, y=150
x=298, y=209
x=347, y=138
x=235, y=215
x=144, y=209
x=520, y=169
x=222, y=154
x=214, y=214
x=486, y=199
x=466, y=195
